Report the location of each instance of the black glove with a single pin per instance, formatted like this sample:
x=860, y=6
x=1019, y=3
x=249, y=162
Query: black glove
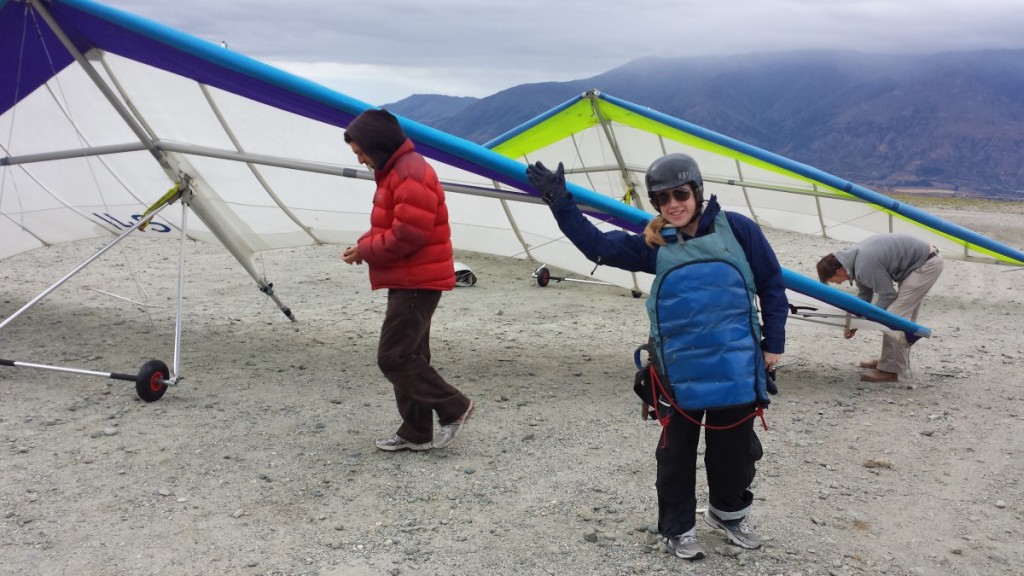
x=550, y=184
x=772, y=387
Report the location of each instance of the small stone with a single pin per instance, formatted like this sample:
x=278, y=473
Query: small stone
x=877, y=463
x=730, y=551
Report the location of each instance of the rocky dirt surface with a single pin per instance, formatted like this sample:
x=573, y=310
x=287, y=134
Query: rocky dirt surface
x=261, y=460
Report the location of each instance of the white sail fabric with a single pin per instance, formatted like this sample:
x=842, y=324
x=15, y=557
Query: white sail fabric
x=264, y=177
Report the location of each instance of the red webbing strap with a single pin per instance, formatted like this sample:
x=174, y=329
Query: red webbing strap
x=663, y=420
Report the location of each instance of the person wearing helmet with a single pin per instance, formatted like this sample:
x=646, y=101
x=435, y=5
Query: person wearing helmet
x=673, y=171
x=712, y=351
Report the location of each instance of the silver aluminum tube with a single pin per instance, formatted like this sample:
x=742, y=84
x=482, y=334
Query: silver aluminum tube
x=79, y=268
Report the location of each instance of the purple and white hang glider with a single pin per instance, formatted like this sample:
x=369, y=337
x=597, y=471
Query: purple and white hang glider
x=107, y=120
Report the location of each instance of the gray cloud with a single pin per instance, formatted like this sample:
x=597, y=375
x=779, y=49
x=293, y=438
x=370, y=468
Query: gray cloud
x=389, y=49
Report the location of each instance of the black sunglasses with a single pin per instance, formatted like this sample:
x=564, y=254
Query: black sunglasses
x=680, y=194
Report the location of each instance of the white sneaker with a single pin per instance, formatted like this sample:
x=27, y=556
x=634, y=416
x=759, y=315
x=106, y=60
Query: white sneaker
x=394, y=443
x=738, y=531
x=448, y=432
x=685, y=546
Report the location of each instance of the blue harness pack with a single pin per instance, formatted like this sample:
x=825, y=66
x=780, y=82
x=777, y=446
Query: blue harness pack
x=705, y=330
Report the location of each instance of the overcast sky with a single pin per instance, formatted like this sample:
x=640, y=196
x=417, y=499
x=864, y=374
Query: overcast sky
x=385, y=50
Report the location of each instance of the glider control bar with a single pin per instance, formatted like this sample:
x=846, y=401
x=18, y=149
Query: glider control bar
x=79, y=371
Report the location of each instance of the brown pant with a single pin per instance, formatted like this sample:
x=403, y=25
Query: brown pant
x=403, y=355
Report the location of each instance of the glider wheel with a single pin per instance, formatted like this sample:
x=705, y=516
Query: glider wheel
x=543, y=276
x=149, y=383
x=636, y=293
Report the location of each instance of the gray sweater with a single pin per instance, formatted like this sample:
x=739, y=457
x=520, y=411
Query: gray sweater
x=875, y=264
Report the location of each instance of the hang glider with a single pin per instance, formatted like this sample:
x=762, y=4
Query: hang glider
x=607, y=143
x=101, y=111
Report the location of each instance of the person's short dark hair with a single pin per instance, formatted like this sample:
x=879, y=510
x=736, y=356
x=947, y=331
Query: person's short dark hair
x=827, y=267
x=378, y=134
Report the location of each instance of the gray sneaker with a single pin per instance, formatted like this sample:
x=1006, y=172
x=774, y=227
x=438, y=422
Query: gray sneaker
x=448, y=432
x=738, y=531
x=685, y=546
x=394, y=443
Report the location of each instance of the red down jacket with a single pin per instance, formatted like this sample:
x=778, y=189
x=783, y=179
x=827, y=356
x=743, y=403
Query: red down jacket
x=409, y=242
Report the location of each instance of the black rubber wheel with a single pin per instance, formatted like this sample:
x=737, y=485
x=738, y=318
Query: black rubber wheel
x=149, y=383
x=543, y=276
x=636, y=293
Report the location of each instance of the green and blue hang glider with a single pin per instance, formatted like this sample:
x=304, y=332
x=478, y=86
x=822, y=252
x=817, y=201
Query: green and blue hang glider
x=101, y=112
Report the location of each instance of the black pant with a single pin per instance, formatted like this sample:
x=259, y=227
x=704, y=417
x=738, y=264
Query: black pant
x=403, y=355
x=729, y=459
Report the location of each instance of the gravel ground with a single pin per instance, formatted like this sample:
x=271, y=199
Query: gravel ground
x=261, y=462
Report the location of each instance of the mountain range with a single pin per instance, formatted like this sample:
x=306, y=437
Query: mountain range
x=951, y=122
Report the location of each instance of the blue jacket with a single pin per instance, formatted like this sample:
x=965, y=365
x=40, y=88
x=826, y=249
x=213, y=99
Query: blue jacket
x=630, y=252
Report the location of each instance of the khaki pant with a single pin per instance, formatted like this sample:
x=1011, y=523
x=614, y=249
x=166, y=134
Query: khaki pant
x=895, y=355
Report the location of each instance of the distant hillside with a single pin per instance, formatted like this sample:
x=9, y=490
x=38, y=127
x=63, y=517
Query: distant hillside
x=429, y=109
x=953, y=121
